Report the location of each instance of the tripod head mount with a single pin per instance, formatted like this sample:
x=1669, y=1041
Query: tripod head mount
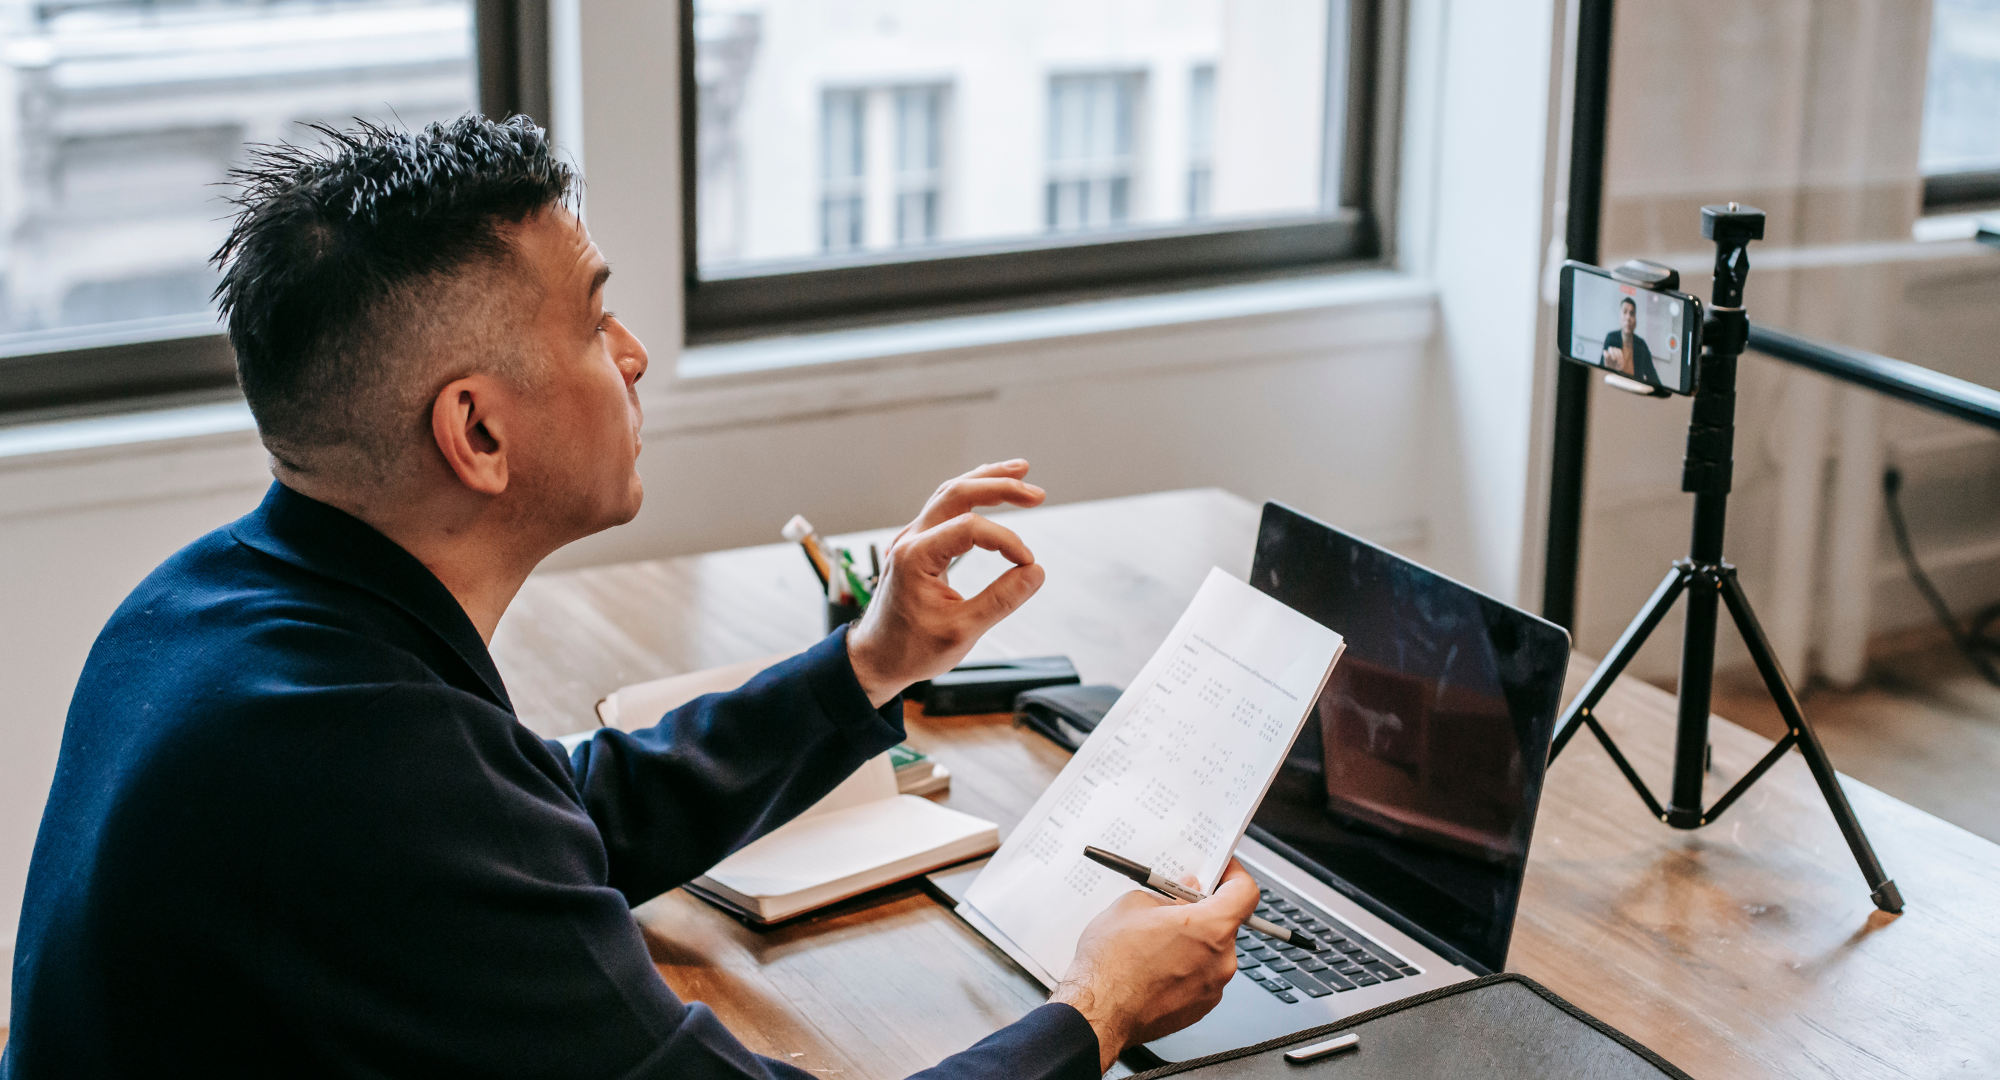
x=1725, y=330
x=1732, y=227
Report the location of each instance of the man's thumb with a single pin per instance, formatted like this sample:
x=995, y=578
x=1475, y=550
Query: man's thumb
x=1007, y=593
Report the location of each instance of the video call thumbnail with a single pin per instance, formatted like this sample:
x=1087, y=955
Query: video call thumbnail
x=1626, y=329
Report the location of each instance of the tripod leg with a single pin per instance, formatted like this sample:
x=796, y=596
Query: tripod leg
x=1692, y=692
x=1621, y=654
x=1882, y=890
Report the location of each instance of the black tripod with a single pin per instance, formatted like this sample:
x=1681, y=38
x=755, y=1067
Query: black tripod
x=1706, y=578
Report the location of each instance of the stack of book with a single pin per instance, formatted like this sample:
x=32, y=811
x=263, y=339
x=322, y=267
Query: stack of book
x=916, y=773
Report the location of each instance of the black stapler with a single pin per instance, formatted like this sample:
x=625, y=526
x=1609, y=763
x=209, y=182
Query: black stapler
x=990, y=686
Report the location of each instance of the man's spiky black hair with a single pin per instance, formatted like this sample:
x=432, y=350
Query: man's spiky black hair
x=331, y=239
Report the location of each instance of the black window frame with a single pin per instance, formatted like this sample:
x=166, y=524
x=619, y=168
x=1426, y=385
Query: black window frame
x=1972, y=190
x=1960, y=189
x=88, y=370
x=827, y=292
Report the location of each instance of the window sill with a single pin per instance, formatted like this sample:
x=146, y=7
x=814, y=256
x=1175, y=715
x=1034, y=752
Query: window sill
x=144, y=456
x=835, y=372
x=1955, y=225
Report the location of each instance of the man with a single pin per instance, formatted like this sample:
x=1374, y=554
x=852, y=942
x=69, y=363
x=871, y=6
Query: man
x=1625, y=351
x=295, y=828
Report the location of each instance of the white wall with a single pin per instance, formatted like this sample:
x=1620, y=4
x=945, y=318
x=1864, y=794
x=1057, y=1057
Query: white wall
x=1396, y=404
x=1477, y=217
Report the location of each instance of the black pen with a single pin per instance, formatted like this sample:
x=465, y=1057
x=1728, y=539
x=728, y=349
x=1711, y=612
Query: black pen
x=1173, y=890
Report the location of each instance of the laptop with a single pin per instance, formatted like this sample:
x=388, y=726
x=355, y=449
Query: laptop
x=1397, y=829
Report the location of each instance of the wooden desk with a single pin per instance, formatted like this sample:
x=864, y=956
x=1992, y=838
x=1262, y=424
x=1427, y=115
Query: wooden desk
x=1748, y=949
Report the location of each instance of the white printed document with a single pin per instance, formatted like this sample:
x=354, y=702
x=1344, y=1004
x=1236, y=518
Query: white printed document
x=1170, y=778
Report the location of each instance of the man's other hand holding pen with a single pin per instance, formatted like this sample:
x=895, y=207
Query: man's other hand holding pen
x=917, y=626
x=1148, y=966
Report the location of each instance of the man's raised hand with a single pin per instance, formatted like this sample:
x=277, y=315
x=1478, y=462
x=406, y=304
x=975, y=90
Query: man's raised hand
x=918, y=626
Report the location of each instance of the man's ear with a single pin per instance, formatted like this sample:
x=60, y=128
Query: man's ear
x=466, y=422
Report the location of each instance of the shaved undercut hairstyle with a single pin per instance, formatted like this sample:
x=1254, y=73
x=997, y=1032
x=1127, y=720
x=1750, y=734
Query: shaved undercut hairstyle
x=365, y=273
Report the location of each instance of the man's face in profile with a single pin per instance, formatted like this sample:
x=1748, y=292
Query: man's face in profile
x=1628, y=316
x=582, y=417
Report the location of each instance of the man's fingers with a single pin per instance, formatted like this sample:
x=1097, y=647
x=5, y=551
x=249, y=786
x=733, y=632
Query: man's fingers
x=1005, y=595
x=933, y=549
x=1237, y=895
x=1136, y=900
x=965, y=493
x=1014, y=467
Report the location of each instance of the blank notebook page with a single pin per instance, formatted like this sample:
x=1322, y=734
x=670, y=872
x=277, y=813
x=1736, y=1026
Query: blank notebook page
x=828, y=847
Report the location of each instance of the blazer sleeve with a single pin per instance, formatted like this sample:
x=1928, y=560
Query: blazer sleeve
x=1053, y=1042
x=1642, y=362
x=674, y=799
x=405, y=877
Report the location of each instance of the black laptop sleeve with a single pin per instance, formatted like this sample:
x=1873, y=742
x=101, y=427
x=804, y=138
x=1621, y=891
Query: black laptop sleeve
x=1500, y=1026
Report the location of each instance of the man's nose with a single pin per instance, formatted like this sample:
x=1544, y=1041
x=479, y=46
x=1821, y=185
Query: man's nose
x=632, y=359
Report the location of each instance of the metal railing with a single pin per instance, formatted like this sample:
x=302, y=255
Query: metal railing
x=1898, y=379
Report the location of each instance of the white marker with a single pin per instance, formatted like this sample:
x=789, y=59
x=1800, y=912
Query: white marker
x=1319, y=1050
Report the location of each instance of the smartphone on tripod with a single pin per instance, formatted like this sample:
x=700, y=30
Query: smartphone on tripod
x=1645, y=333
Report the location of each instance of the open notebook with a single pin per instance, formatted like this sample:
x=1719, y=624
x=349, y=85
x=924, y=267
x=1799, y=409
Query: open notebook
x=861, y=836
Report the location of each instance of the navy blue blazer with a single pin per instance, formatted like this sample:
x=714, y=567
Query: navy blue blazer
x=296, y=830
x=1642, y=355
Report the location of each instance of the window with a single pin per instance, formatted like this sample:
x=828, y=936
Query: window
x=903, y=157
x=122, y=116
x=843, y=161
x=1960, y=154
x=919, y=163
x=1201, y=140
x=874, y=197
x=1091, y=155
x=728, y=42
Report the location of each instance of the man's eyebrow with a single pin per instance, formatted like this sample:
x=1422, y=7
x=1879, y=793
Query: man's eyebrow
x=598, y=279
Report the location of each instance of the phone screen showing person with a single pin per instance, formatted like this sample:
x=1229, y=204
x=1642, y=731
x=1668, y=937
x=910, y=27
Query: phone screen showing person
x=1646, y=335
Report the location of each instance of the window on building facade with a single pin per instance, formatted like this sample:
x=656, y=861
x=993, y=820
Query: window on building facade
x=728, y=42
x=919, y=163
x=843, y=170
x=1092, y=121
x=1201, y=140
x=122, y=118
x=1960, y=150
x=990, y=140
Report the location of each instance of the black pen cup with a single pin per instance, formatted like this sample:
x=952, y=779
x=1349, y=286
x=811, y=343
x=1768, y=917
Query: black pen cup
x=839, y=615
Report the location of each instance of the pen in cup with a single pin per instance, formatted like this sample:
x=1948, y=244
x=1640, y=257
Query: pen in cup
x=800, y=531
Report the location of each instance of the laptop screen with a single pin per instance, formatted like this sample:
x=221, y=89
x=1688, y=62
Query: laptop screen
x=1416, y=780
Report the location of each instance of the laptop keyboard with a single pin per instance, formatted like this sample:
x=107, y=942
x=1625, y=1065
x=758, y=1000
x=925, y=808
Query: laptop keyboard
x=1345, y=959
